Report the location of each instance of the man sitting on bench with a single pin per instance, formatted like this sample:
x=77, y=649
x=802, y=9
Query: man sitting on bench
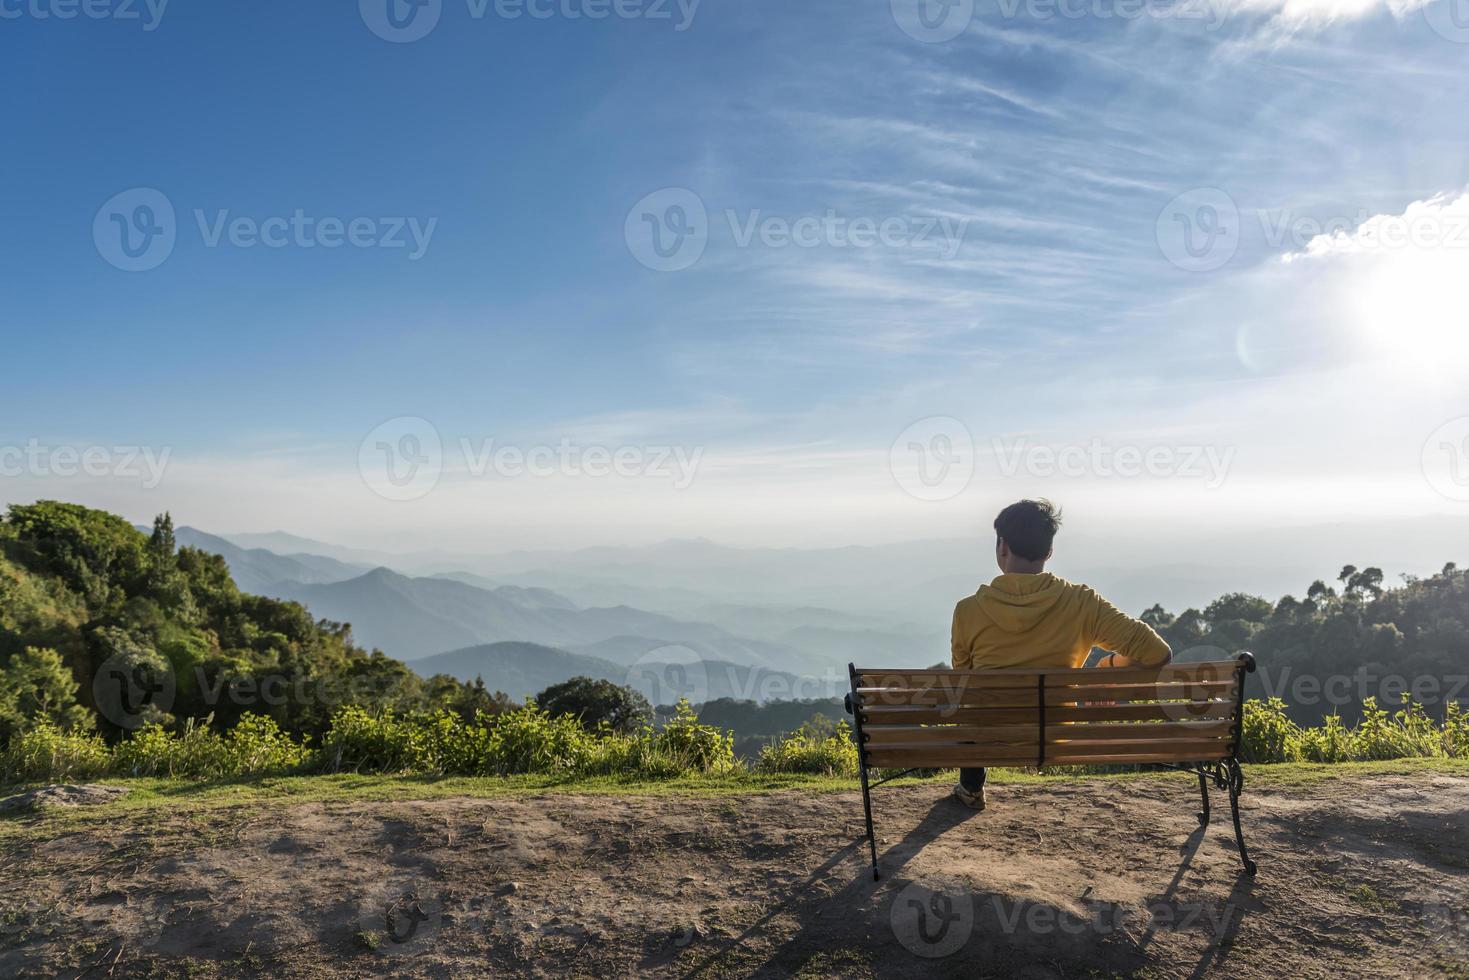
x=1029, y=618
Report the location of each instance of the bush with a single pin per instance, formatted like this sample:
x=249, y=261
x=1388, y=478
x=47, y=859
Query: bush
x=255, y=746
x=701, y=748
x=530, y=740
x=598, y=703
x=44, y=753
x=809, y=750
x=360, y=742
x=1269, y=735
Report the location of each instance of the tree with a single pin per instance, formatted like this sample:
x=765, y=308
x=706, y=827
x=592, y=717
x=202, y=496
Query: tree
x=1157, y=617
x=1237, y=606
x=1320, y=592
x=1366, y=582
x=98, y=554
x=596, y=702
x=161, y=546
x=36, y=686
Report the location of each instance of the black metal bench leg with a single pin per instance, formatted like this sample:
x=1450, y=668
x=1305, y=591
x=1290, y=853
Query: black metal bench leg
x=1236, y=786
x=1204, y=794
x=867, y=809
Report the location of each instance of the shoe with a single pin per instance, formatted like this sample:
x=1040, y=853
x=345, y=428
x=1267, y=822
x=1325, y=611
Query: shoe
x=975, y=801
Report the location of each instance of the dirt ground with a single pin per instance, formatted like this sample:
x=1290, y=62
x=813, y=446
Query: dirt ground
x=1358, y=877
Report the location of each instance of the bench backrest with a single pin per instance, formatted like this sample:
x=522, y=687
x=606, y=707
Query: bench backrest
x=941, y=719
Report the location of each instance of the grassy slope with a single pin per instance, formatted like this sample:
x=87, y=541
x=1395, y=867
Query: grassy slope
x=183, y=797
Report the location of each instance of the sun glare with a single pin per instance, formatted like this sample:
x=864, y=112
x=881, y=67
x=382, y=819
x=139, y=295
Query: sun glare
x=1415, y=305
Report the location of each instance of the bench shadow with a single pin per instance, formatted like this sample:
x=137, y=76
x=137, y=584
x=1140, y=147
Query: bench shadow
x=807, y=904
x=815, y=926
x=1226, y=923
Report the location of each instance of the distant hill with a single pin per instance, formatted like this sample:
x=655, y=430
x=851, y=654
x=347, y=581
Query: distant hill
x=519, y=669
x=522, y=669
x=412, y=618
x=257, y=570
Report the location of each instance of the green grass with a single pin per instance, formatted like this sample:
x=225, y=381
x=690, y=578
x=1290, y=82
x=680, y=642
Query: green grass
x=176, y=797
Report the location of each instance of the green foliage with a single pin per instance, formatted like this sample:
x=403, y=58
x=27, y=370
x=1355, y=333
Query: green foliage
x=1268, y=733
x=812, y=749
x=596, y=703
x=1408, y=733
x=45, y=753
x=35, y=689
x=99, y=555
x=524, y=740
x=749, y=718
x=697, y=747
x=254, y=747
x=1419, y=630
x=99, y=592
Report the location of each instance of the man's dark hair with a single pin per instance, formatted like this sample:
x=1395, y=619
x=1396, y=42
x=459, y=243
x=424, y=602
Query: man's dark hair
x=1029, y=527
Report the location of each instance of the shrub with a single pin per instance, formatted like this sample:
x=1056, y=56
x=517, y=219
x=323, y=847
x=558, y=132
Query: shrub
x=701, y=748
x=808, y=750
x=44, y=753
x=597, y=703
x=529, y=740
x=1269, y=735
x=255, y=746
x=1455, y=731
x=361, y=742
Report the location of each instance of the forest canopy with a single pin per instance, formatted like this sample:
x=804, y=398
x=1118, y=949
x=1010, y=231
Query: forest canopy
x=104, y=626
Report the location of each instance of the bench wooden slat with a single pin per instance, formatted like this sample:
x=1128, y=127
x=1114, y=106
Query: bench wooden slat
x=954, y=734
x=1224, y=751
x=941, y=757
x=1122, y=746
x=1020, y=697
x=877, y=716
x=1144, y=730
x=954, y=757
x=1057, y=677
x=1027, y=734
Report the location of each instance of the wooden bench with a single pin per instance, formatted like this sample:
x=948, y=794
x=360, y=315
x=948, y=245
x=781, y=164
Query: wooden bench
x=1183, y=716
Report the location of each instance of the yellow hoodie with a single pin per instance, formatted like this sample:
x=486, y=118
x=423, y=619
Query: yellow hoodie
x=1045, y=621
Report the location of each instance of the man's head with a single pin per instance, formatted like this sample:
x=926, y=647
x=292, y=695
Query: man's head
x=1023, y=535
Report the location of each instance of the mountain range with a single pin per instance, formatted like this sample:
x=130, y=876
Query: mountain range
x=520, y=639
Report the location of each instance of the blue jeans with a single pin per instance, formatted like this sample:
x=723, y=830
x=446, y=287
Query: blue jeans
x=972, y=779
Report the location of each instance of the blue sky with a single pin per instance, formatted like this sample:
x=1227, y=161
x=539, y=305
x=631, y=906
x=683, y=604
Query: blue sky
x=1057, y=145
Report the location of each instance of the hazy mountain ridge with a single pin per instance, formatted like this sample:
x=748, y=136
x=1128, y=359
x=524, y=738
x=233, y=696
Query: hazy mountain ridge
x=256, y=570
x=917, y=582
x=525, y=669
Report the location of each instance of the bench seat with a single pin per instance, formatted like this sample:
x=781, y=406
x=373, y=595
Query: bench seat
x=1186, y=716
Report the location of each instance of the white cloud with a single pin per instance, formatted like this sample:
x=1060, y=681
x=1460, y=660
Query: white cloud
x=1438, y=223
x=1290, y=17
